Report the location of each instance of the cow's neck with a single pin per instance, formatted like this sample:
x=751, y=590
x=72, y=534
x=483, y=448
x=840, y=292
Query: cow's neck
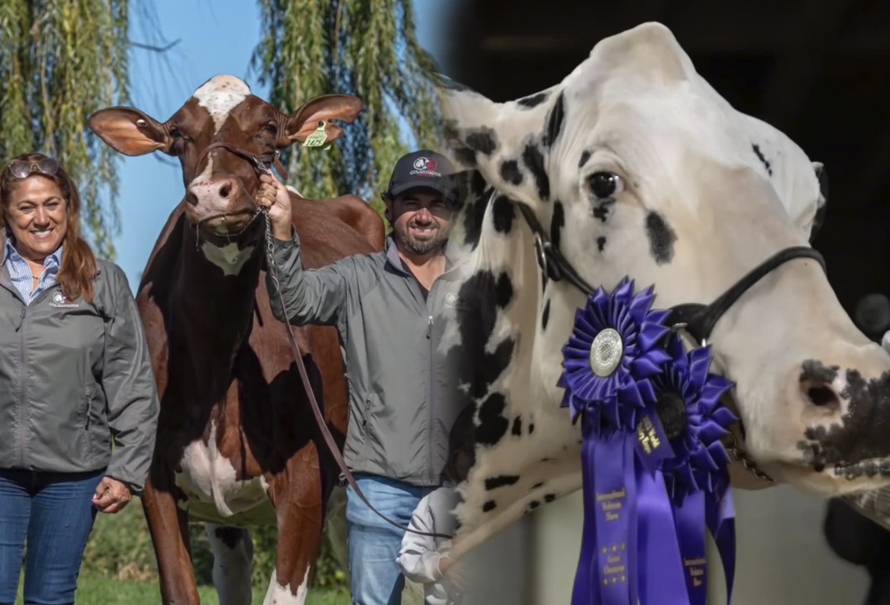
x=217, y=297
x=532, y=431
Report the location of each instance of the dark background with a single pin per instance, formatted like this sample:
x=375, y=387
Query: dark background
x=818, y=71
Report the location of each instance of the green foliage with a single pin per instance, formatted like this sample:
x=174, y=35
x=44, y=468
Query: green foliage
x=366, y=48
x=60, y=60
x=120, y=550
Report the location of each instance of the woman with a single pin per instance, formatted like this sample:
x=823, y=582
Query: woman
x=75, y=377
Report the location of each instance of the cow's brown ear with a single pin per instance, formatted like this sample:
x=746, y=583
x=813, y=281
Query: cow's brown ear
x=129, y=131
x=322, y=111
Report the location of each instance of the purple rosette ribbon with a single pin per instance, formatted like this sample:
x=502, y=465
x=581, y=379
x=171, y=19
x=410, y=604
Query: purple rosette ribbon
x=654, y=468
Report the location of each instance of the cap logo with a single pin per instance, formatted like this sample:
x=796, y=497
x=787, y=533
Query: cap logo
x=425, y=166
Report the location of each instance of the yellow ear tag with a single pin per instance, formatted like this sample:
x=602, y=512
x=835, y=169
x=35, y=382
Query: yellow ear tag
x=317, y=138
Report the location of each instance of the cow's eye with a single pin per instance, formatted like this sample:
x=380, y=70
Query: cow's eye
x=605, y=184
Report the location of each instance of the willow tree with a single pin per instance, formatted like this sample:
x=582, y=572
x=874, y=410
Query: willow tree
x=60, y=60
x=366, y=48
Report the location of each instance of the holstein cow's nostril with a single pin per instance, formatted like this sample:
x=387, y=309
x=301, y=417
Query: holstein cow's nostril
x=816, y=384
x=822, y=396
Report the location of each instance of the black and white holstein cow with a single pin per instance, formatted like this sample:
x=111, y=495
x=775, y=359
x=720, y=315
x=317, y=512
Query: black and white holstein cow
x=636, y=167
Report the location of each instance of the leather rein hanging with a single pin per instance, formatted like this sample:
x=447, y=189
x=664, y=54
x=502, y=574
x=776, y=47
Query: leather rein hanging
x=265, y=167
x=696, y=319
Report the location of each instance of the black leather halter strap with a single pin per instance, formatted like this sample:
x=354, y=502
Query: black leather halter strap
x=260, y=165
x=696, y=318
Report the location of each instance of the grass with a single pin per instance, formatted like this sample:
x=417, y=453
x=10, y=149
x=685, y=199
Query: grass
x=119, y=565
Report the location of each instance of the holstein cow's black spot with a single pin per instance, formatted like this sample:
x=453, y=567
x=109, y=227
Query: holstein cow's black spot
x=461, y=152
x=813, y=371
x=532, y=100
x=601, y=209
x=230, y=536
x=503, y=291
x=601, y=243
x=763, y=160
x=500, y=481
x=503, y=212
x=534, y=161
x=585, y=155
x=473, y=216
x=489, y=506
x=549, y=497
x=556, y=223
x=862, y=433
x=464, y=155
x=533, y=505
x=510, y=172
x=517, y=426
x=531, y=428
x=492, y=424
x=555, y=120
x=538, y=484
x=661, y=238
x=479, y=299
x=545, y=316
x=484, y=140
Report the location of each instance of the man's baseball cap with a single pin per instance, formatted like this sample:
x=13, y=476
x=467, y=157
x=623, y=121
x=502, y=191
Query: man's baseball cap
x=423, y=168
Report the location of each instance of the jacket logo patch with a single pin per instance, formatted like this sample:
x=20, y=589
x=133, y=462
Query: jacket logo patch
x=59, y=300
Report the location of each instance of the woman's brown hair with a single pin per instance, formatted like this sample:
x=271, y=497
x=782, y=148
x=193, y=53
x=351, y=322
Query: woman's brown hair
x=78, y=263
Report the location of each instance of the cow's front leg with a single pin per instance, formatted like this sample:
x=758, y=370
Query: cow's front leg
x=299, y=505
x=168, y=525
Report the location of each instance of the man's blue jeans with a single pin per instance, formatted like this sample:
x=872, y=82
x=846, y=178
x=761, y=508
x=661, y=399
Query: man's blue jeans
x=373, y=543
x=51, y=513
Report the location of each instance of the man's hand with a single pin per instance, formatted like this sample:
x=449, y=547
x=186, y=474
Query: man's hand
x=111, y=496
x=453, y=574
x=275, y=197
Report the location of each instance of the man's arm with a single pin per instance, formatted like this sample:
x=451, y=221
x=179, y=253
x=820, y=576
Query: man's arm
x=308, y=296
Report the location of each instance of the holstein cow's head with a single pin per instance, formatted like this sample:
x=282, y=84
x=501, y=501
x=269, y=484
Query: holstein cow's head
x=636, y=167
x=223, y=136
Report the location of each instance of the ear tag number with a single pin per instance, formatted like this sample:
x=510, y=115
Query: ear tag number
x=317, y=138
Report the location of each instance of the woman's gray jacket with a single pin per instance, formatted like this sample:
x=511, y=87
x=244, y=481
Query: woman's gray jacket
x=77, y=392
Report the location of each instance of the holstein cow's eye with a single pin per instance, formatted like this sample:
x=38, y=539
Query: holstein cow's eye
x=606, y=184
x=270, y=127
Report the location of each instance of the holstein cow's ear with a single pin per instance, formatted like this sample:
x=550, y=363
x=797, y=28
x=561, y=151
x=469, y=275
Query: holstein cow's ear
x=494, y=138
x=129, y=131
x=321, y=111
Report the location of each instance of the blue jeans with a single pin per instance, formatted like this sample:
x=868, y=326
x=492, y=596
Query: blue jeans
x=373, y=543
x=53, y=514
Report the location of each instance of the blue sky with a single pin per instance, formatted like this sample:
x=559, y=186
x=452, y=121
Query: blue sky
x=214, y=38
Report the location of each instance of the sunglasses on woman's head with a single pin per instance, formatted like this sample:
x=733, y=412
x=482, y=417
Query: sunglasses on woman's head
x=22, y=169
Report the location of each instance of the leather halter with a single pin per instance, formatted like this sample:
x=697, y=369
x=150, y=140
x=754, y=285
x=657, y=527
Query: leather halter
x=697, y=319
x=260, y=165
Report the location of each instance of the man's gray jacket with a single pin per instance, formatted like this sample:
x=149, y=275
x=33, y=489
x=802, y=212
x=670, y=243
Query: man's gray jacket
x=399, y=414
x=75, y=377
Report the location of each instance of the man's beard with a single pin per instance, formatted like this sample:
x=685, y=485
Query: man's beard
x=421, y=247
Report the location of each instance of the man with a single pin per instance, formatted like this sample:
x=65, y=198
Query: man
x=386, y=307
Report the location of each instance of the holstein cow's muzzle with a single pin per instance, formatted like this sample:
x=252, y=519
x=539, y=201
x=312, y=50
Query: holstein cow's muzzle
x=853, y=437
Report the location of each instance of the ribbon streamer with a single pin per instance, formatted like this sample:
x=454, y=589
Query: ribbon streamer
x=649, y=493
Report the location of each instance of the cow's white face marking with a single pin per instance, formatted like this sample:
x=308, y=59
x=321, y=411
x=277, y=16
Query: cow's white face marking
x=278, y=594
x=230, y=258
x=213, y=490
x=220, y=95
